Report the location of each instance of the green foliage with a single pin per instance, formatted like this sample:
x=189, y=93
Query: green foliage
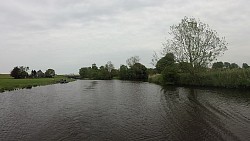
x=226, y=65
x=185, y=67
x=156, y=78
x=40, y=74
x=245, y=66
x=103, y=73
x=50, y=73
x=228, y=78
x=167, y=60
x=19, y=72
x=8, y=83
x=170, y=74
x=135, y=72
x=233, y=66
x=123, y=74
x=218, y=65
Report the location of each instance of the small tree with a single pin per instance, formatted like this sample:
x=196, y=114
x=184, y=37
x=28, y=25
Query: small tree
x=40, y=74
x=245, y=66
x=50, y=73
x=194, y=42
x=33, y=74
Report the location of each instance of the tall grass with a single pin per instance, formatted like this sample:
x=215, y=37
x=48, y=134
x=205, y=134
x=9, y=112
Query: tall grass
x=157, y=79
x=228, y=78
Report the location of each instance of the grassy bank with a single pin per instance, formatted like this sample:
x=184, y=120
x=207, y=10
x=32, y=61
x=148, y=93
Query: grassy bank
x=8, y=83
x=234, y=78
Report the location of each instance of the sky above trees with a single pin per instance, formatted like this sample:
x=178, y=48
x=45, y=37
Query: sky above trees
x=69, y=34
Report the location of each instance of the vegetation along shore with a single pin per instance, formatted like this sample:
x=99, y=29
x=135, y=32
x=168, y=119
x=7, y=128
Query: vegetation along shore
x=8, y=83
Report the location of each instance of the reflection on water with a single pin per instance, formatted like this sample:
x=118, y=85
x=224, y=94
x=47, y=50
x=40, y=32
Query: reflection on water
x=123, y=110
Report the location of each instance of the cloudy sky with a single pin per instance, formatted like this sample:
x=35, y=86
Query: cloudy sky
x=69, y=34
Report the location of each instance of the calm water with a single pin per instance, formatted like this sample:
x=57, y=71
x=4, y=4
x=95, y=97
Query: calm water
x=123, y=110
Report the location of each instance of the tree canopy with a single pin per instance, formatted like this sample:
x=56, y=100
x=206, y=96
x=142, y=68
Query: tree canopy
x=50, y=73
x=194, y=42
x=19, y=72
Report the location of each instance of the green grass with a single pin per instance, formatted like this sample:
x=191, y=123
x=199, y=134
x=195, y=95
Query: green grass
x=9, y=83
x=157, y=79
x=226, y=78
x=234, y=78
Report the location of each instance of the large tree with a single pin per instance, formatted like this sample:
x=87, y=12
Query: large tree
x=194, y=42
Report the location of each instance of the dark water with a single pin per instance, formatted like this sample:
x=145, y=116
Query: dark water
x=120, y=110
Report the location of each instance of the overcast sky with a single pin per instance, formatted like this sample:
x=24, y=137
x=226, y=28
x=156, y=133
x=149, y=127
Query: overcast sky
x=69, y=34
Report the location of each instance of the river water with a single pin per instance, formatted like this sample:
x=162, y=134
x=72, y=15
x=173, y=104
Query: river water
x=124, y=110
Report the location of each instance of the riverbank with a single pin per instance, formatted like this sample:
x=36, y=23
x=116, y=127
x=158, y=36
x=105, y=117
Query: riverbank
x=234, y=78
x=8, y=83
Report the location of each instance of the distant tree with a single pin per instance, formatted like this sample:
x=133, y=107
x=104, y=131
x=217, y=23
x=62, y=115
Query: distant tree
x=50, y=73
x=94, y=67
x=40, y=74
x=194, y=42
x=19, y=72
x=115, y=73
x=123, y=72
x=109, y=66
x=83, y=72
x=245, y=66
x=15, y=73
x=167, y=60
x=233, y=66
x=138, y=72
x=132, y=60
x=103, y=74
x=226, y=65
x=218, y=65
x=33, y=74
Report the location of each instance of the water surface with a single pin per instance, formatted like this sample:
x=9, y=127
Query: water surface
x=123, y=110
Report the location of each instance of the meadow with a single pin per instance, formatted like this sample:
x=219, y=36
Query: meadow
x=8, y=83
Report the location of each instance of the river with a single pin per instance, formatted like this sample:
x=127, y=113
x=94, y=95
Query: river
x=124, y=110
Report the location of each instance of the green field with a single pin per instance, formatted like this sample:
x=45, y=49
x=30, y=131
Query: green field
x=8, y=83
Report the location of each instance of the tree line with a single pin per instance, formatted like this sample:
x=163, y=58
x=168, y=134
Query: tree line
x=132, y=71
x=21, y=72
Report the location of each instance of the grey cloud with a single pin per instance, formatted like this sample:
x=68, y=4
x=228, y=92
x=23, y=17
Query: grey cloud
x=43, y=33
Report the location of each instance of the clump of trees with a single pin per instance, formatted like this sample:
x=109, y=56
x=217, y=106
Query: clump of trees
x=133, y=71
x=21, y=72
x=105, y=72
x=227, y=65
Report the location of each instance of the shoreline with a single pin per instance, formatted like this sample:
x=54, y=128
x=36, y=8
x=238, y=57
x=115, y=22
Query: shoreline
x=10, y=84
